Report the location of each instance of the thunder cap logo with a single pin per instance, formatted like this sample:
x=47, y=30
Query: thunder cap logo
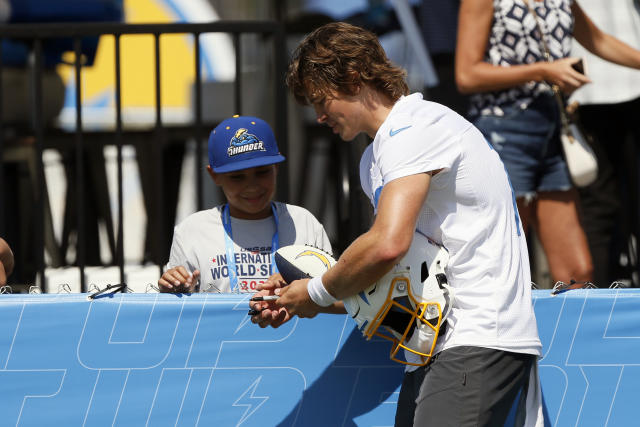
x=244, y=142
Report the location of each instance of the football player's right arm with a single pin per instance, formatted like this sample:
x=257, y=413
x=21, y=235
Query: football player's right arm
x=375, y=252
x=372, y=254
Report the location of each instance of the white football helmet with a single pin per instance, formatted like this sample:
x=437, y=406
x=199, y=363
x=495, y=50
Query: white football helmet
x=409, y=304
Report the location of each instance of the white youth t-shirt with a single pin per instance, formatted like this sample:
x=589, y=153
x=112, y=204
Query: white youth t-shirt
x=470, y=210
x=199, y=244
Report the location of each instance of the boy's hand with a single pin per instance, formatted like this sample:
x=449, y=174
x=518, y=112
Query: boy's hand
x=178, y=280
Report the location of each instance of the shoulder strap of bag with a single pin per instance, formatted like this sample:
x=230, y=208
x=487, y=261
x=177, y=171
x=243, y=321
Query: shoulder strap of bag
x=547, y=55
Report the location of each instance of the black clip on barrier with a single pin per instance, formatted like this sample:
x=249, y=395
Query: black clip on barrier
x=560, y=287
x=112, y=289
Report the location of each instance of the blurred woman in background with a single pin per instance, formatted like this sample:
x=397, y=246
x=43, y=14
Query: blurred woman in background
x=512, y=55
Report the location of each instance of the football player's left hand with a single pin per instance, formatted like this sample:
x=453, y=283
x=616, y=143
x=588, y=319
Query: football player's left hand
x=267, y=313
x=295, y=299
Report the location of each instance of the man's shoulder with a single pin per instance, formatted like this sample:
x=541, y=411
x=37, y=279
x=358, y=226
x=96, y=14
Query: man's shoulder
x=412, y=116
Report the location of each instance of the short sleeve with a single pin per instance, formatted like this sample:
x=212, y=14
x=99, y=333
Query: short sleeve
x=418, y=149
x=177, y=255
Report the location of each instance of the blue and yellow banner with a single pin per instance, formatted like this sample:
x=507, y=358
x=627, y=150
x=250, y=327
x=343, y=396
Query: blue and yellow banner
x=138, y=80
x=188, y=360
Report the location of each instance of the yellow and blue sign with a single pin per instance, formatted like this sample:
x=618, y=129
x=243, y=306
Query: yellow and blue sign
x=138, y=84
x=165, y=359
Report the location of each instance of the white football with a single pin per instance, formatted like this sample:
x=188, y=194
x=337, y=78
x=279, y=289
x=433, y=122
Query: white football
x=296, y=262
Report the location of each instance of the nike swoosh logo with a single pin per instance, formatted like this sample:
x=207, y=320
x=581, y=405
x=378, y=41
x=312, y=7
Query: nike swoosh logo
x=397, y=131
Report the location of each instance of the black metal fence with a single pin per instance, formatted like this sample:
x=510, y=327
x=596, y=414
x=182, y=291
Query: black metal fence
x=76, y=142
x=326, y=179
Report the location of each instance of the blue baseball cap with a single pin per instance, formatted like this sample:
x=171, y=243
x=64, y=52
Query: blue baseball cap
x=242, y=142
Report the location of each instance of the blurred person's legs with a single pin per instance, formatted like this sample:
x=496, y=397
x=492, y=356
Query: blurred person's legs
x=17, y=113
x=96, y=207
x=160, y=166
x=20, y=176
x=554, y=215
x=528, y=144
x=610, y=205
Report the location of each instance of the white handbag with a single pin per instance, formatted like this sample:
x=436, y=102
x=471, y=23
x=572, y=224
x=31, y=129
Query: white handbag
x=580, y=158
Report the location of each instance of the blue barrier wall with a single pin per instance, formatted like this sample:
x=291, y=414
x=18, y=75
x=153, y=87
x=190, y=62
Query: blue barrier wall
x=157, y=359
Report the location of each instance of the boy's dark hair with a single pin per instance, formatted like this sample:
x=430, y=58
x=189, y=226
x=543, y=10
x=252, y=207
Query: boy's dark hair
x=341, y=57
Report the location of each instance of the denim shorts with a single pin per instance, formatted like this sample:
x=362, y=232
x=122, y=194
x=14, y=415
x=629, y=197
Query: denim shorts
x=528, y=142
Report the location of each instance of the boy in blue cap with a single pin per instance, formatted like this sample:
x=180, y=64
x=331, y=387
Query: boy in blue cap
x=230, y=247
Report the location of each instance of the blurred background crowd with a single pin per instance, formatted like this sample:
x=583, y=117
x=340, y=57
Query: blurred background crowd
x=91, y=196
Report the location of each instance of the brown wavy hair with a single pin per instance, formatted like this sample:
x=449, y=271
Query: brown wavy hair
x=340, y=57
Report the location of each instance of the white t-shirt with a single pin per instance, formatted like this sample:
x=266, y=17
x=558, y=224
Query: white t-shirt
x=470, y=210
x=199, y=244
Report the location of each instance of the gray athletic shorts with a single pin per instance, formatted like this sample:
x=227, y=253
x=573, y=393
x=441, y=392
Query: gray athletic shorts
x=463, y=386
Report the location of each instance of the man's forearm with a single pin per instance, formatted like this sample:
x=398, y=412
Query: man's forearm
x=374, y=253
x=364, y=262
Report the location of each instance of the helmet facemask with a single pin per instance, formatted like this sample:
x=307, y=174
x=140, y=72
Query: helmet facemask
x=409, y=304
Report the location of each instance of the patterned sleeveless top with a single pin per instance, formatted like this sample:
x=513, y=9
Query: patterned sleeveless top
x=515, y=39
